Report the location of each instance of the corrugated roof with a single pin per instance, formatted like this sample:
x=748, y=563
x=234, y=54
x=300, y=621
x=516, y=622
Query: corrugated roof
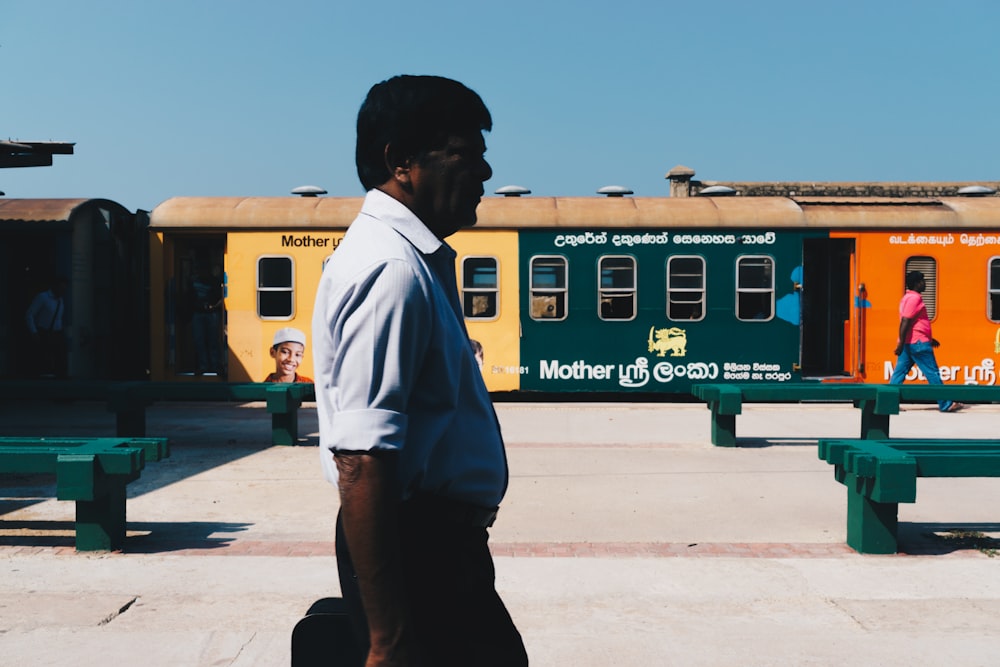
x=38, y=210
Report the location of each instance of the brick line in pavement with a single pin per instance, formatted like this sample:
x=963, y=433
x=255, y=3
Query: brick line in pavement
x=286, y=549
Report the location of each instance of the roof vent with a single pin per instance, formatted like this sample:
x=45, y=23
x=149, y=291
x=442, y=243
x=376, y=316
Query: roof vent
x=976, y=191
x=512, y=191
x=614, y=191
x=309, y=191
x=717, y=191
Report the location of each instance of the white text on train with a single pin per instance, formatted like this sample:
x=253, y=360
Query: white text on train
x=984, y=373
x=636, y=374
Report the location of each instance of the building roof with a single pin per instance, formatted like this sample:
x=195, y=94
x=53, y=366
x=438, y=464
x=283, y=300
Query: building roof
x=32, y=153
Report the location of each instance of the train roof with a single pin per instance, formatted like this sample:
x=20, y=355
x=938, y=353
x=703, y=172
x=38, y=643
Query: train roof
x=220, y=213
x=53, y=211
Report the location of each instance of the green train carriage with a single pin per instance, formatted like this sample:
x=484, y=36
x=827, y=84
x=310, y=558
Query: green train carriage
x=645, y=295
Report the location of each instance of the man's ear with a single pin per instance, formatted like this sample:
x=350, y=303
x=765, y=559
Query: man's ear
x=398, y=166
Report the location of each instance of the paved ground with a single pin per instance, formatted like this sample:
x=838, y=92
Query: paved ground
x=626, y=539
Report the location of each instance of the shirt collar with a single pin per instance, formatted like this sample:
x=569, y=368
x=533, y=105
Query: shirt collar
x=392, y=212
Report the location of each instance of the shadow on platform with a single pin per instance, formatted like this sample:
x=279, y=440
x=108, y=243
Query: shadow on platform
x=142, y=537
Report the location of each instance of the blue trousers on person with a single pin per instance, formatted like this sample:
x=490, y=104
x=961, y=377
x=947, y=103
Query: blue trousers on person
x=206, y=330
x=921, y=354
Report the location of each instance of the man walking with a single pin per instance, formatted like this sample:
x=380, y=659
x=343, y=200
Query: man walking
x=407, y=428
x=915, y=344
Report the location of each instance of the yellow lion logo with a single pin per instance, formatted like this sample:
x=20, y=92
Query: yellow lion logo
x=673, y=340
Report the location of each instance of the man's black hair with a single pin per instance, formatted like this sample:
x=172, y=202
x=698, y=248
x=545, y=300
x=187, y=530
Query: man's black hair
x=416, y=114
x=913, y=278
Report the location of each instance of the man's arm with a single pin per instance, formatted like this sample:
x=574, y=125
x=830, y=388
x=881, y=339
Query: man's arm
x=905, y=326
x=373, y=342
x=29, y=315
x=368, y=511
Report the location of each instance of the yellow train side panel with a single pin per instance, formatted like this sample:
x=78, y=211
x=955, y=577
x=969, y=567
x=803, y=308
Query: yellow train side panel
x=500, y=337
x=250, y=336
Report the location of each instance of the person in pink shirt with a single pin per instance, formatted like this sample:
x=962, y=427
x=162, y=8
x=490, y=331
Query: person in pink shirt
x=915, y=344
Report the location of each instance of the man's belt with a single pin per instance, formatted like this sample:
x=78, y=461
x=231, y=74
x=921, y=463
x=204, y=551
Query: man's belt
x=432, y=506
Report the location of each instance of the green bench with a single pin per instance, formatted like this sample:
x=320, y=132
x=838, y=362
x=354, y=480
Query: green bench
x=56, y=390
x=129, y=399
x=964, y=393
x=876, y=402
x=129, y=402
x=91, y=471
x=880, y=474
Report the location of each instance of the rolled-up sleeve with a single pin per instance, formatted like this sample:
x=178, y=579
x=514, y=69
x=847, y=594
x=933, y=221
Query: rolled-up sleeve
x=366, y=430
x=378, y=328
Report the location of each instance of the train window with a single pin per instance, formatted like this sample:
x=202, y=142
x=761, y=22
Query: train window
x=275, y=288
x=616, y=287
x=994, y=290
x=548, y=287
x=686, y=288
x=754, y=288
x=480, y=288
x=928, y=267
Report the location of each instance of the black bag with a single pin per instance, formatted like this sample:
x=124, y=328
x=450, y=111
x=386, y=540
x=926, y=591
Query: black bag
x=324, y=637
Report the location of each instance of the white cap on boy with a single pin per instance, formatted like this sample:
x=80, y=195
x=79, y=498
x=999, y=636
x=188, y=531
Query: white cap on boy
x=289, y=335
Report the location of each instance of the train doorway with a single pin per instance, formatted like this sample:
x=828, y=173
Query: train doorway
x=196, y=314
x=28, y=262
x=826, y=306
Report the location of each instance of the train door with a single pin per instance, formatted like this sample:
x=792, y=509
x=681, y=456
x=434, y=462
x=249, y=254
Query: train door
x=825, y=306
x=28, y=263
x=196, y=314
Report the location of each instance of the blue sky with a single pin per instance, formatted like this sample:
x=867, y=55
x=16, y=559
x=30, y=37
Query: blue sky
x=218, y=97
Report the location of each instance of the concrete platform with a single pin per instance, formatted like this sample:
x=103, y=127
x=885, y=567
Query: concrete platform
x=626, y=539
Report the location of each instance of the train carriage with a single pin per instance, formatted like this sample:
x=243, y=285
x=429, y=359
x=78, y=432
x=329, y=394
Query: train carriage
x=619, y=294
x=98, y=247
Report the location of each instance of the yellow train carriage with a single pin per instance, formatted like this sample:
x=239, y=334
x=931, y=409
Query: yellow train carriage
x=267, y=254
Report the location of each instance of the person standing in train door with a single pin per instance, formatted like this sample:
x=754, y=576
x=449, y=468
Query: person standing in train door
x=407, y=427
x=44, y=319
x=207, y=305
x=915, y=344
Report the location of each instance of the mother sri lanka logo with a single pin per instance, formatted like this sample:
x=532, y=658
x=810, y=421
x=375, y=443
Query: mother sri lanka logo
x=673, y=340
x=640, y=372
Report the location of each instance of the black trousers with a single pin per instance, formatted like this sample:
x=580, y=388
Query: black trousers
x=53, y=358
x=459, y=617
